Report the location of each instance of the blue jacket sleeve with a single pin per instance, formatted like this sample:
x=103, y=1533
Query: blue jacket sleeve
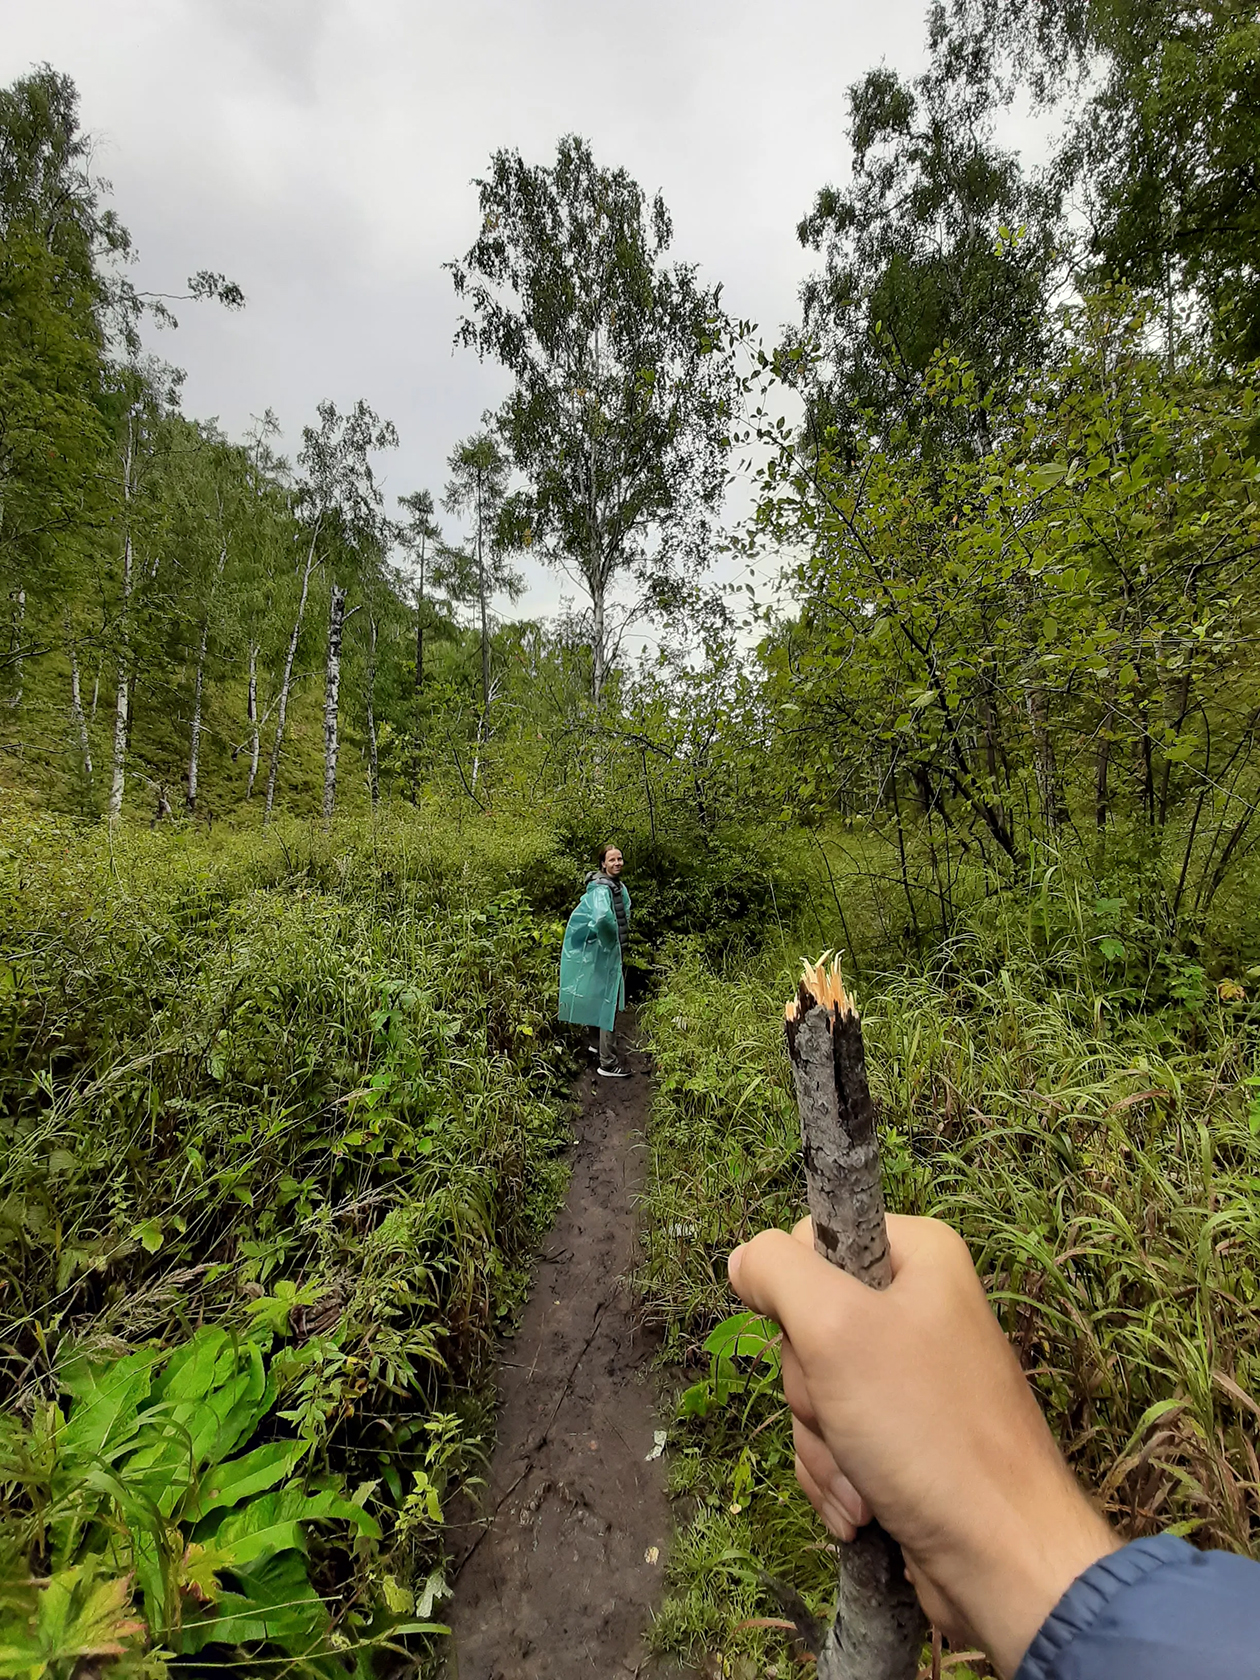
x=1157, y=1610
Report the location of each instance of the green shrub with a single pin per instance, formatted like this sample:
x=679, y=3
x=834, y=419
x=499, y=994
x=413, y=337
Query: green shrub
x=299, y=1085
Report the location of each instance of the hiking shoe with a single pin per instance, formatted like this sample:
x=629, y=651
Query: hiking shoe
x=614, y=1072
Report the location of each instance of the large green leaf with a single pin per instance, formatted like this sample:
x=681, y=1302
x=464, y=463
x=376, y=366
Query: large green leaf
x=106, y=1401
x=185, y=1430
x=217, y=1387
x=277, y=1604
x=194, y=1369
x=273, y=1523
x=227, y=1484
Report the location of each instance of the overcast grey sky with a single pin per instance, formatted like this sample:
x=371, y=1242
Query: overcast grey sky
x=320, y=153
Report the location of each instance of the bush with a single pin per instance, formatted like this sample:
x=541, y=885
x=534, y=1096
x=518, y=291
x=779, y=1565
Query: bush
x=300, y=1086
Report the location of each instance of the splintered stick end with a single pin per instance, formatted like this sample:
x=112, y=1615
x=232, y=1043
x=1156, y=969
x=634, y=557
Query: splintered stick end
x=821, y=983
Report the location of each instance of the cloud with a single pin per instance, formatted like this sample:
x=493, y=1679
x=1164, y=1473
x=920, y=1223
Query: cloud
x=320, y=152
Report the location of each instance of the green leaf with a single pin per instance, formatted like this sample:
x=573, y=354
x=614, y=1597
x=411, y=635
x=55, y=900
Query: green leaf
x=743, y=1333
x=107, y=1399
x=227, y=1484
x=149, y=1235
x=75, y=1617
x=1047, y=476
x=273, y=1523
x=277, y=1604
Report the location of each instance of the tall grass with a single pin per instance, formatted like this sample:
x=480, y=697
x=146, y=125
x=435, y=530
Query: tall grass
x=302, y=1079
x=1103, y=1165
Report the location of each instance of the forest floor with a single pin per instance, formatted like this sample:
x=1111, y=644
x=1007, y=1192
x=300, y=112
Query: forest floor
x=558, y=1572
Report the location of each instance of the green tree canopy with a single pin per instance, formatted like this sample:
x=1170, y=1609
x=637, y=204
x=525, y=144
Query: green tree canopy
x=623, y=364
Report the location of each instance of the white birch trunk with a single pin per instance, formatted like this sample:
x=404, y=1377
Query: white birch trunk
x=420, y=618
x=484, y=605
x=332, y=689
x=76, y=713
x=595, y=576
x=194, y=744
x=282, y=707
x=374, y=771
x=118, y=768
x=252, y=712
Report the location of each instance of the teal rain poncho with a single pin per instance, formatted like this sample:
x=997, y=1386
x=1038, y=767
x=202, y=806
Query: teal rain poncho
x=591, y=985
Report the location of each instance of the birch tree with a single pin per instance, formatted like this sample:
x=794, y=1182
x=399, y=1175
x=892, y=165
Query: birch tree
x=624, y=370
x=341, y=505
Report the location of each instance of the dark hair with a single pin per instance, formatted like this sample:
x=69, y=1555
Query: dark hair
x=603, y=852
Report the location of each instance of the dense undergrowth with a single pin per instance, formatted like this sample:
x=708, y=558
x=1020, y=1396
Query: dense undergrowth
x=1103, y=1161
x=282, y=1114
x=289, y=1104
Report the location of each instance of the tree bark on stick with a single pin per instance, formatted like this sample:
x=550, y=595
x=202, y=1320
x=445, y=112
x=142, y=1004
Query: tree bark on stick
x=879, y=1629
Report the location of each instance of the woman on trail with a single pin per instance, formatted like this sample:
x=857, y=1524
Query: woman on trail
x=592, y=983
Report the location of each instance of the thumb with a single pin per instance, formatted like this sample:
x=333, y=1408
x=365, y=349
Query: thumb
x=811, y=1300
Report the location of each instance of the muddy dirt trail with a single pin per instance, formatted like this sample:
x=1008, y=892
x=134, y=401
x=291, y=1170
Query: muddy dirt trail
x=558, y=1575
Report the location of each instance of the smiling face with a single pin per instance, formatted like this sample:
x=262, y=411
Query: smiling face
x=612, y=863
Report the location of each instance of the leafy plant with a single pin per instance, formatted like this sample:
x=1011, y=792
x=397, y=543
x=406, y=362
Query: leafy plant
x=144, y=1481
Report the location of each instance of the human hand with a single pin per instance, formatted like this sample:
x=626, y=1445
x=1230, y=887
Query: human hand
x=909, y=1404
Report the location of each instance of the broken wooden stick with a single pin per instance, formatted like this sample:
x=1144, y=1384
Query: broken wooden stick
x=879, y=1629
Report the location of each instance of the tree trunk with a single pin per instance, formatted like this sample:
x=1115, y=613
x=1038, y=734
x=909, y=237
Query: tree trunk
x=598, y=622
x=879, y=1628
x=252, y=714
x=1049, y=788
x=282, y=708
x=374, y=775
x=1102, y=765
x=76, y=713
x=194, y=744
x=332, y=690
x=420, y=620
x=122, y=701
x=596, y=577
x=485, y=616
x=1176, y=710
x=122, y=713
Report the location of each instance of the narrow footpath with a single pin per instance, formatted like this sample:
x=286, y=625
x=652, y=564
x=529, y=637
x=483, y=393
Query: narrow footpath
x=557, y=1578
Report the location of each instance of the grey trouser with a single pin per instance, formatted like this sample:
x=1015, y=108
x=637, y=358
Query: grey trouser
x=609, y=1055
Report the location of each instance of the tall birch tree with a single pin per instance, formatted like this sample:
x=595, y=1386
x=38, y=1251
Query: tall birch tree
x=341, y=505
x=624, y=369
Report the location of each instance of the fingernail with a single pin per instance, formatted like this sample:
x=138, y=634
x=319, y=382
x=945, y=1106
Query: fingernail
x=732, y=1262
